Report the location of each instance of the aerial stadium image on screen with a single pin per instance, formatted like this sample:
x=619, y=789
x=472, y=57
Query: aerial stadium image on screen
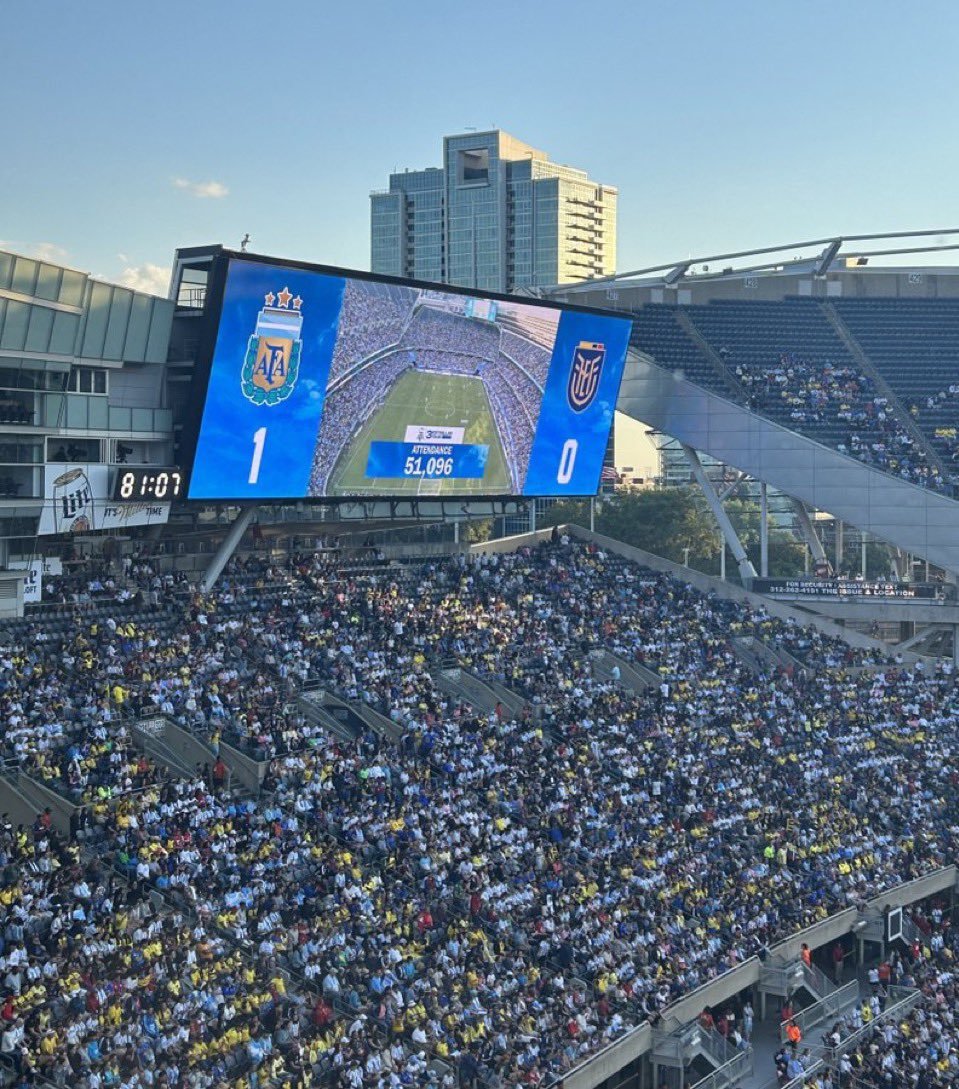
x=416, y=373
x=328, y=384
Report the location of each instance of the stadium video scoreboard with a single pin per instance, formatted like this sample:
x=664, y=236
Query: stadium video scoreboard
x=330, y=384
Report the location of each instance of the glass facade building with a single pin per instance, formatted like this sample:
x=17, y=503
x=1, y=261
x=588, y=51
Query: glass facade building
x=498, y=215
x=82, y=370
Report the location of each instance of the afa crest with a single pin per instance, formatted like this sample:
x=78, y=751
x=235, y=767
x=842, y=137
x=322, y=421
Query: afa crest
x=272, y=363
x=584, y=375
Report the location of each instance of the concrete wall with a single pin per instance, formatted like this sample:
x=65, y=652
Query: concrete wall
x=20, y=808
x=37, y=796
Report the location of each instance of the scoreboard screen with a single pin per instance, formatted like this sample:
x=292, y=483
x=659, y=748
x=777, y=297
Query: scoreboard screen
x=327, y=384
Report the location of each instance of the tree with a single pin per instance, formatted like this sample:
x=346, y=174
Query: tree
x=665, y=521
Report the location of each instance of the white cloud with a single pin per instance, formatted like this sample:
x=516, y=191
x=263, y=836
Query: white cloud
x=50, y=251
x=42, y=251
x=153, y=279
x=213, y=189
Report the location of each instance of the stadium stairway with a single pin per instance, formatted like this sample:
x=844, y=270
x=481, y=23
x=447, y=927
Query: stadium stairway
x=633, y=676
x=761, y=657
x=321, y=708
x=465, y=686
x=680, y=1048
x=169, y=746
x=917, y=520
x=514, y=703
x=726, y=377
x=21, y=805
x=386, y=728
x=23, y=790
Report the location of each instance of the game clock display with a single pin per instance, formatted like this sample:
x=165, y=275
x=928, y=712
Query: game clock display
x=328, y=384
x=148, y=483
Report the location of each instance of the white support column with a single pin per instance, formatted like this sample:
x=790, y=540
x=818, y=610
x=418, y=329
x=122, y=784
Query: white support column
x=839, y=547
x=227, y=547
x=532, y=516
x=763, y=531
x=746, y=569
x=808, y=531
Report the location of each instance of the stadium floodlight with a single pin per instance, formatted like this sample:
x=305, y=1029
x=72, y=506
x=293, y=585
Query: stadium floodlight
x=827, y=258
x=676, y=274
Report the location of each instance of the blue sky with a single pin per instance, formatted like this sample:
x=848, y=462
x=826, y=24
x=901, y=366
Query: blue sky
x=131, y=128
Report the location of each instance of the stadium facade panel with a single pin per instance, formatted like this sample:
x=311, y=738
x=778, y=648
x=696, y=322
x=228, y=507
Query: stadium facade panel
x=82, y=388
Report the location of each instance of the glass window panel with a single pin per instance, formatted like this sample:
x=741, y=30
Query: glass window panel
x=48, y=282
x=13, y=333
x=64, y=334
x=98, y=412
x=39, y=330
x=76, y=411
x=24, y=275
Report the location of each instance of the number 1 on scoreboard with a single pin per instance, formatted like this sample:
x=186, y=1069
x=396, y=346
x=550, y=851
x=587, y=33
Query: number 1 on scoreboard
x=259, y=441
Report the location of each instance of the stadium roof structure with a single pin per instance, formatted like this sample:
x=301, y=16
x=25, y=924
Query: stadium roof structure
x=834, y=253
x=709, y=331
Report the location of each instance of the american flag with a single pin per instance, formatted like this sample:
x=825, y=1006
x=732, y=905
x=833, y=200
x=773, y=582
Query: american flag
x=609, y=475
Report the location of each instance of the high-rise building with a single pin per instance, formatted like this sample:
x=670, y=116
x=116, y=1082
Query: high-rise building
x=498, y=215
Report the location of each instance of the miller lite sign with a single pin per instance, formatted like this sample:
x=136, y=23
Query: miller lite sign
x=73, y=502
x=272, y=362
x=584, y=375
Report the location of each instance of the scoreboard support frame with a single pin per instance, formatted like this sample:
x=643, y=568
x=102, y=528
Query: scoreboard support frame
x=228, y=546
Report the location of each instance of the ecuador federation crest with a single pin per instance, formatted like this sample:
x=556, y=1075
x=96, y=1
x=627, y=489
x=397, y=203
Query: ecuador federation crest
x=272, y=362
x=584, y=375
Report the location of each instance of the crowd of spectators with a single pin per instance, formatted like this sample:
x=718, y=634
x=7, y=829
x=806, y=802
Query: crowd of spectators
x=501, y=894
x=889, y=1039
x=937, y=414
x=839, y=400
x=85, y=581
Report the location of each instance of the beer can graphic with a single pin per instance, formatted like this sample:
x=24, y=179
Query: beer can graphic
x=73, y=502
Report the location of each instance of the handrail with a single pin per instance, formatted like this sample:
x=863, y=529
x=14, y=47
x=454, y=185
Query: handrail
x=729, y=1072
x=750, y=968
x=911, y=999
x=799, y=1081
x=829, y=1005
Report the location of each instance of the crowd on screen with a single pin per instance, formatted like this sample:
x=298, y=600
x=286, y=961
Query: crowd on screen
x=346, y=409
x=831, y=399
x=488, y=900
x=533, y=358
x=372, y=317
x=440, y=330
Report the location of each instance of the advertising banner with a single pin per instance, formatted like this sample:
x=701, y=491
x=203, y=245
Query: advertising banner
x=76, y=499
